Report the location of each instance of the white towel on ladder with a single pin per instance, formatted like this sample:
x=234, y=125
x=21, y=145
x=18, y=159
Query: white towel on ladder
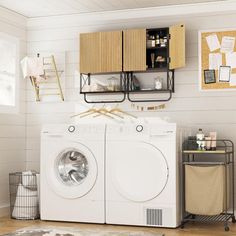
x=32, y=66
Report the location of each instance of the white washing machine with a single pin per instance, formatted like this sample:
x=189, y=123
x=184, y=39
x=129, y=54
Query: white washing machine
x=72, y=173
x=142, y=175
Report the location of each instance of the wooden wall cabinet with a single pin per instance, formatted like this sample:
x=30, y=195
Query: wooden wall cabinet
x=129, y=52
x=137, y=53
x=101, y=52
x=134, y=50
x=90, y=52
x=111, y=51
x=177, y=46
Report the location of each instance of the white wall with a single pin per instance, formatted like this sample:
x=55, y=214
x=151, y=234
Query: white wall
x=58, y=35
x=12, y=126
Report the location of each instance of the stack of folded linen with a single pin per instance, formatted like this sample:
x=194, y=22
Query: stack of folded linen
x=27, y=201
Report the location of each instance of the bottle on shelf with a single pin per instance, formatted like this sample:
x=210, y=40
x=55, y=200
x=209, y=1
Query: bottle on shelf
x=165, y=40
x=157, y=40
x=150, y=41
x=158, y=82
x=153, y=59
x=200, y=140
x=153, y=42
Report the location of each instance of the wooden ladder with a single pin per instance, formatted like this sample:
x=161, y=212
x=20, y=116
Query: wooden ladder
x=53, y=72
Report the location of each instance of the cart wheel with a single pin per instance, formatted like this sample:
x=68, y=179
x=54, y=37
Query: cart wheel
x=182, y=226
x=226, y=228
x=233, y=219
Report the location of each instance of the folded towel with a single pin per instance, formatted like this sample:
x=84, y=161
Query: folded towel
x=32, y=66
x=26, y=203
x=29, y=180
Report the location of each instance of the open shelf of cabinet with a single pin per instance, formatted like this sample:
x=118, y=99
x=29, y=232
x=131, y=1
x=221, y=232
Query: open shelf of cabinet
x=157, y=61
x=156, y=47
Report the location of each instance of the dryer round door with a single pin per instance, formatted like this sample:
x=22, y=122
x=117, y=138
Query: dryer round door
x=72, y=171
x=139, y=171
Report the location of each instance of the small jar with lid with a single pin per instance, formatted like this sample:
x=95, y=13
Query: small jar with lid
x=158, y=83
x=113, y=84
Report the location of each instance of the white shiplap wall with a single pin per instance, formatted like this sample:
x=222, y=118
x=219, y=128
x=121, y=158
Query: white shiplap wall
x=12, y=126
x=57, y=35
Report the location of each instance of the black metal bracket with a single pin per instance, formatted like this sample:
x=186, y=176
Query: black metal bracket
x=87, y=80
x=126, y=79
x=106, y=101
x=169, y=90
x=150, y=100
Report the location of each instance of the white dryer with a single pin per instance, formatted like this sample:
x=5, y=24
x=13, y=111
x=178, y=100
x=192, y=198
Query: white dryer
x=72, y=173
x=142, y=175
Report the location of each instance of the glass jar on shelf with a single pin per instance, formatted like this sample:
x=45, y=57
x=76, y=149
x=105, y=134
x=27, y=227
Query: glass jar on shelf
x=113, y=84
x=158, y=83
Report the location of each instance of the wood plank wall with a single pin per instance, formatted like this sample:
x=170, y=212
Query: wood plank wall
x=12, y=126
x=208, y=110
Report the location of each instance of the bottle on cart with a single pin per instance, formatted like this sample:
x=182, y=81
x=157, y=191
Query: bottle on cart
x=200, y=140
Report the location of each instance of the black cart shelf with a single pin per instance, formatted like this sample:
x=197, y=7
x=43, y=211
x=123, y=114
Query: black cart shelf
x=225, y=156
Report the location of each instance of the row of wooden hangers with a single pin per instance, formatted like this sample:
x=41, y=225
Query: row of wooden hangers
x=111, y=113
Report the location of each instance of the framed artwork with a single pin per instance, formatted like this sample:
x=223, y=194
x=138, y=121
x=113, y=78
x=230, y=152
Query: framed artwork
x=224, y=73
x=209, y=76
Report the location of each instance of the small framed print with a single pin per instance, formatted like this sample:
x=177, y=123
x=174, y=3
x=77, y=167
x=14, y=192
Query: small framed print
x=209, y=76
x=224, y=73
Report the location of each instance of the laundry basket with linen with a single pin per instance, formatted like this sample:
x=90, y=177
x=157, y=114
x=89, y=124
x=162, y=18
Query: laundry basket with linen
x=24, y=197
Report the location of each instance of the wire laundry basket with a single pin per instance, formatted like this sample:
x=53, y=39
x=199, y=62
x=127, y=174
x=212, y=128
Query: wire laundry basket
x=24, y=200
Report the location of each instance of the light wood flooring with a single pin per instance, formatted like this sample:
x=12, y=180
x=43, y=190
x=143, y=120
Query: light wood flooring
x=9, y=225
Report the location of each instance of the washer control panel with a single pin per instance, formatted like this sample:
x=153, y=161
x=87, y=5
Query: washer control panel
x=71, y=128
x=139, y=128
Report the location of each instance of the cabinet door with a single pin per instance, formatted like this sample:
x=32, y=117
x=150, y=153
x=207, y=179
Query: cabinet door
x=111, y=51
x=134, y=50
x=90, y=53
x=177, y=46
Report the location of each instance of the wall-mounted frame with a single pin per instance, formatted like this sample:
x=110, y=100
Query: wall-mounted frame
x=217, y=49
x=224, y=73
x=209, y=76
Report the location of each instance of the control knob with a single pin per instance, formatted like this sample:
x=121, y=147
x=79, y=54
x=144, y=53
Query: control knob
x=139, y=128
x=71, y=128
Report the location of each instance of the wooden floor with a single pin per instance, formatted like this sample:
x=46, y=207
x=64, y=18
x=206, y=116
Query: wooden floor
x=8, y=225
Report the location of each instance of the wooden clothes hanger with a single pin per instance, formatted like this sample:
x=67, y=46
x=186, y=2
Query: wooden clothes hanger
x=91, y=111
x=110, y=113
x=105, y=111
x=88, y=111
x=116, y=109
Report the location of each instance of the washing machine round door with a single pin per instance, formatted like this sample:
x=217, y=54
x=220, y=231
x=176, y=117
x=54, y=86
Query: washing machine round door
x=140, y=171
x=73, y=173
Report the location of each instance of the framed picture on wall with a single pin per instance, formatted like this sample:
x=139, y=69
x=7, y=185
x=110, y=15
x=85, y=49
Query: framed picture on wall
x=224, y=73
x=209, y=76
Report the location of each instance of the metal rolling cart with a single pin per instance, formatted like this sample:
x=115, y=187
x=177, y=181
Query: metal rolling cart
x=225, y=153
